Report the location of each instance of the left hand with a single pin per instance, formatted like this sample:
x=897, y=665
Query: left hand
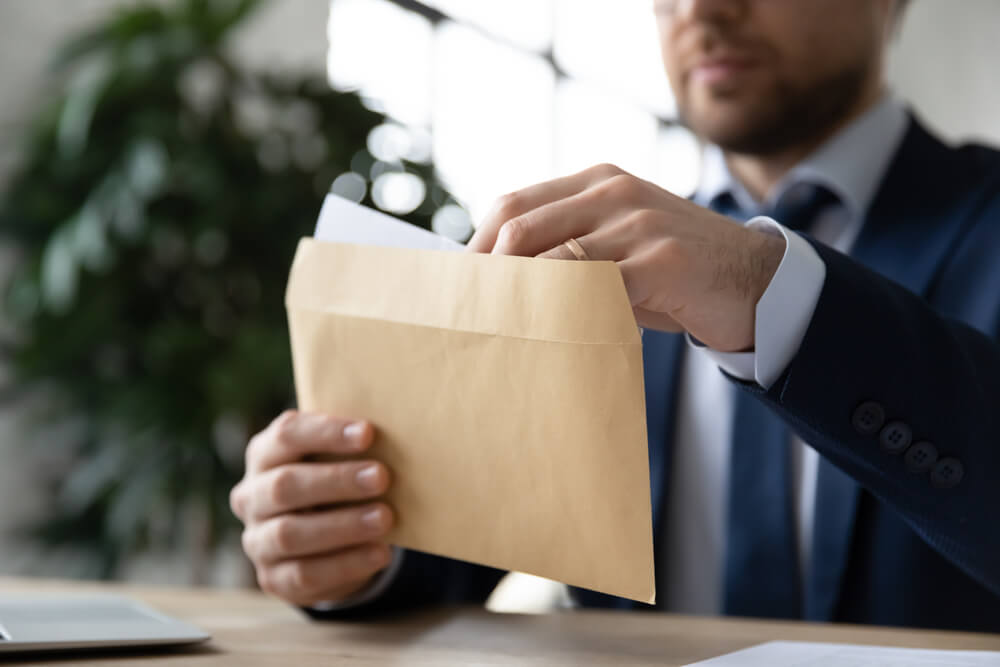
x=685, y=268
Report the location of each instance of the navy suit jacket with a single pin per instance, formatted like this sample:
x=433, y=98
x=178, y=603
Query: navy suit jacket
x=911, y=320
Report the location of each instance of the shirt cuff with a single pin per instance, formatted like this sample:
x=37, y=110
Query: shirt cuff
x=783, y=312
x=370, y=592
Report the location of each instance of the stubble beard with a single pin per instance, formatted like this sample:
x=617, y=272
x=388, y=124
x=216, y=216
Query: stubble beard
x=791, y=116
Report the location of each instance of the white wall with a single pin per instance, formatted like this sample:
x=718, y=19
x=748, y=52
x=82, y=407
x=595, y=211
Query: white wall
x=947, y=63
x=282, y=34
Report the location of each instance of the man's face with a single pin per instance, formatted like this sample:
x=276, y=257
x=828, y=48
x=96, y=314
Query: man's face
x=759, y=76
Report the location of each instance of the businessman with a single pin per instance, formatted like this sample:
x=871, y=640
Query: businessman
x=822, y=382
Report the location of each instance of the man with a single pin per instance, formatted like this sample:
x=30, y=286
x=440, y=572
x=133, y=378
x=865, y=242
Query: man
x=886, y=362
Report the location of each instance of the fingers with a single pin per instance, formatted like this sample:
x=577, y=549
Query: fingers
x=603, y=205
x=313, y=533
x=523, y=201
x=295, y=435
x=641, y=272
x=305, y=581
x=561, y=251
x=547, y=226
x=306, y=556
x=301, y=486
x=596, y=246
x=615, y=239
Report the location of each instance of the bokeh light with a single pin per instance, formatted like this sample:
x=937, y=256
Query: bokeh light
x=398, y=192
x=390, y=142
x=350, y=185
x=453, y=222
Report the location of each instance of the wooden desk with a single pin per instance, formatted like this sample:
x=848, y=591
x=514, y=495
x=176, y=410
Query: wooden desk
x=251, y=630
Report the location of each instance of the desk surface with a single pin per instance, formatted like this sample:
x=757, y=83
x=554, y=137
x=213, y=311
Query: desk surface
x=251, y=630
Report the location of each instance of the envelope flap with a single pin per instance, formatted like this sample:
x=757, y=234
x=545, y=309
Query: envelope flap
x=464, y=291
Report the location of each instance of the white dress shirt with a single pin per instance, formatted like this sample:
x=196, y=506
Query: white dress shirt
x=852, y=165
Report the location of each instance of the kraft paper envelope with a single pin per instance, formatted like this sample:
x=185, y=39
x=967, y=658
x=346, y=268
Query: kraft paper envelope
x=507, y=394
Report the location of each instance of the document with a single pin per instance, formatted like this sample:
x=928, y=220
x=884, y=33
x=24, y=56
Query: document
x=802, y=654
x=507, y=393
x=344, y=221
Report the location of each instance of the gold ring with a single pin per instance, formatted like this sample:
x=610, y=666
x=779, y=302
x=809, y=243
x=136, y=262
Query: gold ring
x=577, y=250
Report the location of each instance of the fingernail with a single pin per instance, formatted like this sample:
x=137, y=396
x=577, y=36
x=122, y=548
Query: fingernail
x=367, y=478
x=353, y=433
x=373, y=518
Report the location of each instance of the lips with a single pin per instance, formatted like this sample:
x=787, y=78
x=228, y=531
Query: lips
x=721, y=69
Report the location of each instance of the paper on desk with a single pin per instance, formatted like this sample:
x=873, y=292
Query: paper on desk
x=798, y=654
x=507, y=393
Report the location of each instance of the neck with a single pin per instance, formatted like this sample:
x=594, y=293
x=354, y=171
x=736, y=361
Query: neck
x=759, y=173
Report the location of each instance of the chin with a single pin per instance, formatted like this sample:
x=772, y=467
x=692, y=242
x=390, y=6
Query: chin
x=736, y=125
x=723, y=127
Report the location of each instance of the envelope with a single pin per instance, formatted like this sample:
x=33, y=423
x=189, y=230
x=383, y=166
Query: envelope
x=507, y=394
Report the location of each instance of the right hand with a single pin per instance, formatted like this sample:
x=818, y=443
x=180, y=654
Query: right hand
x=312, y=529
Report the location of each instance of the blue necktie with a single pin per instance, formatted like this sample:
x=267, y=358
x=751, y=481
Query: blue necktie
x=762, y=575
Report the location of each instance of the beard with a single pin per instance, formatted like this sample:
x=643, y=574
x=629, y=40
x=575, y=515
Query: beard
x=786, y=116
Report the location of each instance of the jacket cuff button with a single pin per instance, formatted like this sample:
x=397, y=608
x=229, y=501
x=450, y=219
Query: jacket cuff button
x=947, y=473
x=895, y=437
x=868, y=418
x=921, y=457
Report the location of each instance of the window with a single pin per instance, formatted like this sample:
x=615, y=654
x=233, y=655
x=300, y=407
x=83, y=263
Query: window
x=505, y=94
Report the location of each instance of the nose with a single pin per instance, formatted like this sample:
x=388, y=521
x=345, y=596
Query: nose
x=710, y=11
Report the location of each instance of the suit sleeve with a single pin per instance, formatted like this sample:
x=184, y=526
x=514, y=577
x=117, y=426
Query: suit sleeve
x=872, y=340
x=423, y=580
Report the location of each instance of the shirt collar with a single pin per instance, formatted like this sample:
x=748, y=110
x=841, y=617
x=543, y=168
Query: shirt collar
x=851, y=163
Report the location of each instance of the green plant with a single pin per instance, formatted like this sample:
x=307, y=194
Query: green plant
x=154, y=217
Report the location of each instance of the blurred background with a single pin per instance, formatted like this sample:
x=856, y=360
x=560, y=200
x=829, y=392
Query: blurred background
x=159, y=160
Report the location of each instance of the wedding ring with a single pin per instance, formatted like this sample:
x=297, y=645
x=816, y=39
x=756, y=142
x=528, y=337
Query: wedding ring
x=577, y=250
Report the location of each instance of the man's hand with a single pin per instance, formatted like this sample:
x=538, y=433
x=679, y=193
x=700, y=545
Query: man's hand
x=312, y=529
x=685, y=268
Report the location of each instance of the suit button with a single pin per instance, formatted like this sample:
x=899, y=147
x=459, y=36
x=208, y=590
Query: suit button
x=921, y=457
x=895, y=437
x=868, y=418
x=947, y=473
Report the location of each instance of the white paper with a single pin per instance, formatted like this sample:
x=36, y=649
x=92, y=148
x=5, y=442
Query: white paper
x=344, y=221
x=802, y=654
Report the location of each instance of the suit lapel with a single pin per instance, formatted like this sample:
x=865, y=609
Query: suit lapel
x=915, y=219
x=910, y=228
